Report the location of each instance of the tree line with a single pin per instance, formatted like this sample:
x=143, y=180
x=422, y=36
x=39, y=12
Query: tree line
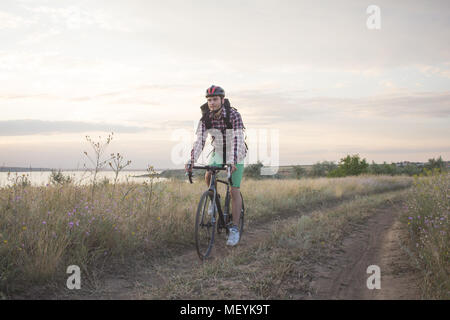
x=352, y=165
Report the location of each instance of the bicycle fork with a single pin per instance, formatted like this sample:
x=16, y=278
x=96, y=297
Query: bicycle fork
x=222, y=216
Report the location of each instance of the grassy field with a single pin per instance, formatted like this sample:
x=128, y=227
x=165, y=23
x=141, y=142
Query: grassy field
x=278, y=264
x=428, y=223
x=45, y=229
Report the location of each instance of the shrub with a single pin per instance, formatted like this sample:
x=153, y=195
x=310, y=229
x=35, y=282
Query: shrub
x=59, y=178
x=321, y=169
x=253, y=170
x=350, y=166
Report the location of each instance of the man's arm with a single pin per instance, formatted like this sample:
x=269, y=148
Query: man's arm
x=199, y=143
x=238, y=145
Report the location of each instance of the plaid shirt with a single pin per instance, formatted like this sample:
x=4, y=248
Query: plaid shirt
x=233, y=137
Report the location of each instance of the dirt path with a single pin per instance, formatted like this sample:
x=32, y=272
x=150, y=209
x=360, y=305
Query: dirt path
x=378, y=242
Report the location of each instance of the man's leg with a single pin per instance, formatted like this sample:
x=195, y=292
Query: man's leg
x=236, y=204
x=236, y=200
x=208, y=178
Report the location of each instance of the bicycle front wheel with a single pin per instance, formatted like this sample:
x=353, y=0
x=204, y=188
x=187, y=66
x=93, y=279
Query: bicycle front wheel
x=205, y=224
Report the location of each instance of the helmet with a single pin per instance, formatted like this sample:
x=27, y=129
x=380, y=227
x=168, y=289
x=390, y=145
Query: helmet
x=215, y=91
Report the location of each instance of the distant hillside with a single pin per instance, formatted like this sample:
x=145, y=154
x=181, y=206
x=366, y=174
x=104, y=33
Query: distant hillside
x=19, y=169
x=23, y=169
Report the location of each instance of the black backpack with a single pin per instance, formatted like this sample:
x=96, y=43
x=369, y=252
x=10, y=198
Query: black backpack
x=207, y=120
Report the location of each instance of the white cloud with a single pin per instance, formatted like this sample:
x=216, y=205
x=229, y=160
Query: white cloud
x=430, y=71
x=75, y=17
x=285, y=106
x=11, y=21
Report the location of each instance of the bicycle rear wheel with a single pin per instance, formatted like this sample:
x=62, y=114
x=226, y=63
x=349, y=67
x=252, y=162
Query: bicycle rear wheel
x=205, y=225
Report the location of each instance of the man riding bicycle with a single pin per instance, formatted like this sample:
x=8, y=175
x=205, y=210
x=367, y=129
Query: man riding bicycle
x=218, y=116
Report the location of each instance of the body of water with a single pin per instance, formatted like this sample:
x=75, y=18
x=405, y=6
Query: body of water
x=39, y=178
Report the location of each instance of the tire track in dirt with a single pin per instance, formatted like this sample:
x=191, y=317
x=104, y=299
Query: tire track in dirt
x=377, y=242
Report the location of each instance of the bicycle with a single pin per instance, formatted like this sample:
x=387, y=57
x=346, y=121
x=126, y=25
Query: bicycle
x=205, y=223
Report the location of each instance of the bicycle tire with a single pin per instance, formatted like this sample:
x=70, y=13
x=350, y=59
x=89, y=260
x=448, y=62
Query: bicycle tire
x=205, y=226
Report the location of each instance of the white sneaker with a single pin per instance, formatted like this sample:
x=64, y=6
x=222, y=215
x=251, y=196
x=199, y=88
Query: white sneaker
x=233, y=236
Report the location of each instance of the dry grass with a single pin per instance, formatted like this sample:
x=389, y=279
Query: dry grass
x=278, y=265
x=428, y=223
x=45, y=229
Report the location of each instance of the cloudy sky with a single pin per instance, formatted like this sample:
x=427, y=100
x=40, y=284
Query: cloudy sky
x=310, y=73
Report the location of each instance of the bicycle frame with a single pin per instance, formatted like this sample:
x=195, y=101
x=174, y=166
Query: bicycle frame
x=223, y=216
x=224, y=220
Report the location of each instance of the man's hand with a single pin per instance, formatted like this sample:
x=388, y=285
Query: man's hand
x=188, y=168
x=233, y=168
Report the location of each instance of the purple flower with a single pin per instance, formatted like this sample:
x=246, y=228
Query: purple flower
x=410, y=218
x=77, y=223
x=71, y=224
x=43, y=222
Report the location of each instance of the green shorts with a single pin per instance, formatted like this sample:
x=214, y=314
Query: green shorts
x=236, y=177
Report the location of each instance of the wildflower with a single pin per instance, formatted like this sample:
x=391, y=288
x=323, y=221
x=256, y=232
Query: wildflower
x=77, y=223
x=71, y=224
x=43, y=222
x=132, y=233
x=24, y=228
x=410, y=218
x=5, y=241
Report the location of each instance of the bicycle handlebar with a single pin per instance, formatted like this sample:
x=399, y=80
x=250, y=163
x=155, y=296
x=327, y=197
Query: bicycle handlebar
x=224, y=167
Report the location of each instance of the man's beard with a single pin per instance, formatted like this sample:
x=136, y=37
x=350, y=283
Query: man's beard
x=216, y=113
